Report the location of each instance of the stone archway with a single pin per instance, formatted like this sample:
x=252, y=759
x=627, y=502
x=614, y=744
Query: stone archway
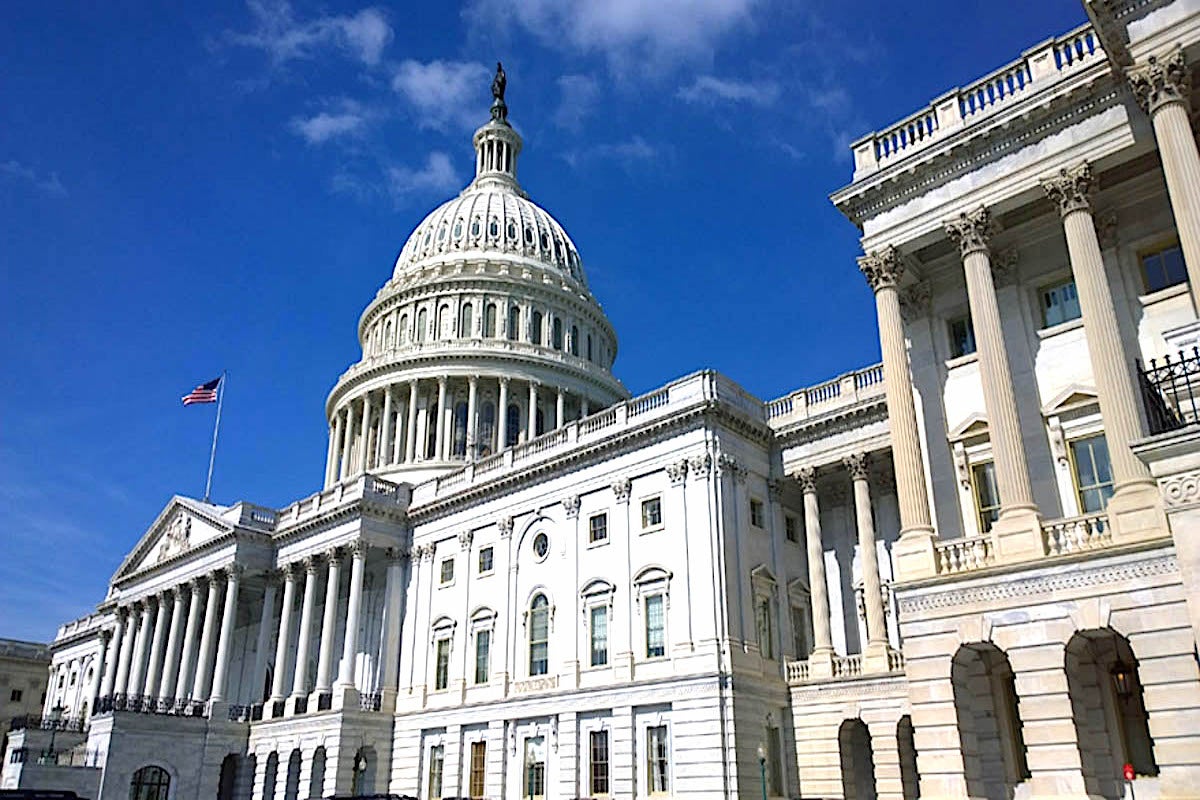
x=906, y=745
x=989, y=721
x=291, y=787
x=316, y=783
x=858, y=761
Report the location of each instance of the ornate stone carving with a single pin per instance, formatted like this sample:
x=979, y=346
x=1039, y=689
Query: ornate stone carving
x=1071, y=189
x=1004, y=267
x=1161, y=81
x=972, y=231
x=858, y=465
x=700, y=465
x=916, y=301
x=621, y=489
x=882, y=268
x=464, y=540
x=506, y=527
x=1181, y=490
x=359, y=548
x=807, y=478
x=571, y=505
x=728, y=464
x=394, y=554
x=677, y=472
x=178, y=537
x=334, y=555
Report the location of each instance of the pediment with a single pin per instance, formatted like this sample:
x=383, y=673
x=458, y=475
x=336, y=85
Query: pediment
x=971, y=427
x=1073, y=397
x=183, y=526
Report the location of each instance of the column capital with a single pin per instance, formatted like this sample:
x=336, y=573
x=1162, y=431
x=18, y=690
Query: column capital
x=358, y=548
x=472, y=380
x=177, y=592
x=972, y=230
x=571, y=505
x=677, y=472
x=858, y=465
x=505, y=524
x=464, y=540
x=441, y=381
x=334, y=555
x=1161, y=81
x=774, y=489
x=232, y=572
x=621, y=488
x=504, y=379
x=105, y=636
x=916, y=301
x=882, y=268
x=807, y=478
x=311, y=564
x=395, y=555
x=1071, y=188
x=700, y=465
x=196, y=585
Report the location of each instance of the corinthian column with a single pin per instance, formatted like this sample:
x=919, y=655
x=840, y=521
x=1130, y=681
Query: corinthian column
x=137, y=667
x=1162, y=86
x=502, y=417
x=300, y=678
x=1132, y=484
x=818, y=589
x=410, y=436
x=345, y=680
x=171, y=659
x=154, y=669
x=857, y=465
x=333, y=581
x=335, y=450
x=186, y=660
x=283, y=643
x=385, y=430
x=204, y=660
x=972, y=232
x=364, y=434
x=114, y=657
x=472, y=423
x=347, y=442
x=233, y=577
x=439, y=440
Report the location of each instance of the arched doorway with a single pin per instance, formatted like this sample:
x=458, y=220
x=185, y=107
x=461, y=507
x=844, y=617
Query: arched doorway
x=858, y=762
x=365, y=764
x=227, y=782
x=150, y=783
x=316, y=786
x=1109, y=711
x=271, y=775
x=989, y=721
x=291, y=789
x=910, y=782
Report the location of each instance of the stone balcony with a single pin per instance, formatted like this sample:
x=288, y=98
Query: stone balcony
x=843, y=668
x=841, y=392
x=362, y=488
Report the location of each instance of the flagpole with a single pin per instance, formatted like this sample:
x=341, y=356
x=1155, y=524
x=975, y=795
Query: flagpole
x=212, y=455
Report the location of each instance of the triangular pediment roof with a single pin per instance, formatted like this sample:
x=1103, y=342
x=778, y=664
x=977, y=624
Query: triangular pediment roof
x=1072, y=397
x=182, y=526
x=974, y=425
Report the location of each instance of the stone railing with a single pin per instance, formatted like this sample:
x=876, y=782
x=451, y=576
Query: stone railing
x=1076, y=534
x=964, y=555
x=77, y=627
x=1038, y=69
x=370, y=701
x=847, y=666
x=844, y=390
x=843, y=668
x=361, y=487
x=796, y=671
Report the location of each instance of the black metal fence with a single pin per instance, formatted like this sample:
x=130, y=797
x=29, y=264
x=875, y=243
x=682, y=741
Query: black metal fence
x=36, y=723
x=141, y=704
x=1171, y=391
x=371, y=702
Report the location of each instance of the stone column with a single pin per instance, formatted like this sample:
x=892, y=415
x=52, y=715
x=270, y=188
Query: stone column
x=439, y=440
x=1134, y=490
x=410, y=437
x=472, y=422
x=350, y=643
x=364, y=434
x=103, y=660
x=138, y=665
x=533, y=401
x=1162, y=87
x=332, y=456
x=821, y=660
x=283, y=642
x=502, y=417
x=876, y=652
x=204, y=660
x=1018, y=514
x=559, y=408
x=115, y=648
x=233, y=576
x=393, y=616
x=190, y=640
x=171, y=658
x=401, y=414
x=154, y=669
x=583, y=407
x=300, y=677
x=259, y=676
x=385, y=430
x=333, y=582
x=348, y=441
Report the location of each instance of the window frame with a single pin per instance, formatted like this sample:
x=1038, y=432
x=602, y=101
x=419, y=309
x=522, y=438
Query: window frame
x=477, y=771
x=969, y=336
x=441, y=662
x=592, y=611
x=758, y=513
x=600, y=733
x=1157, y=250
x=602, y=516
x=662, y=599
x=1054, y=286
x=532, y=611
x=444, y=579
x=1075, y=478
x=435, y=754
x=791, y=529
x=526, y=763
x=660, y=730
x=982, y=521
x=643, y=504
x=491, y=551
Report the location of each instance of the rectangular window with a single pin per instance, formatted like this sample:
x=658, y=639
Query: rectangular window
x=598, y=771
x=799, y=632
x=762, y=615
x=436, y=756
x=1093, y=474
x=16, y=695
x=599, y=635
x=1060, y=303
x=598, y=528
x=485, y=560
x=756, y=513
x=658, y=764
x=651, y=513
x=774, y=762
x=448, y=570
x=791, y=528
x=483, y=655
x=962, y=336
x=656, y=640
x=478, y=769
x=1163, y=267
x=987, y=495
x=535, y=767
x=442, y=676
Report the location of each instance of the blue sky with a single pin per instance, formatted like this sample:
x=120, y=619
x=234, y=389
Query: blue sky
x=187, y=188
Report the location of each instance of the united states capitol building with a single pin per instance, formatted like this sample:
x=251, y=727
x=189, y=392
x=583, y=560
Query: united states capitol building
x=972, y=570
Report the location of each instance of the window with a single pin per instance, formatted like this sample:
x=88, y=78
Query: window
x=541, y=545
x=489, y=321
x=962, y=336
x=1093, y=475
x=589, y=347
x=485, y=560
x=514, y=323
x=557, y=334
x=447, y=570
x=512, y=428
x=539, y=635
x=535, y=328
x=987, y=495
x=799, y=632
x=1163, y=267
x=598, y=528
x=774, y=761
x=656, y=640
x=574, y=340
x=1060, y=303
x=150, y=783
x=764, y=620
x=598, y=631
x=403, y=328
x=483, y=655
x=756, y=513
x=658, y=763
x=791, y=528
x=598, y=770
x=466, y=319
x=535, y=767
x=441, y=678
x=651, y=513
x=422, y=324
x=436, y=758
x=15, y=696
x=478, y=769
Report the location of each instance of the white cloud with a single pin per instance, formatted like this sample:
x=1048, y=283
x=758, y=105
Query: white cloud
x=633, y=35
x=437, y=176
x=628, y=153
x=709, y=89
x=348, y=119
x=580, y=93
x=445, y=94
x=50, y=186
x=277, y=32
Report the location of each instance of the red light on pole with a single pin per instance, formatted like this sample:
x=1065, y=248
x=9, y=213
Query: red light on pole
x=1127, y=771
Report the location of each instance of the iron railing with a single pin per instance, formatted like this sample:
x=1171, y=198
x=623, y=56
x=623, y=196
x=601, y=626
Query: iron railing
x=1171, y=391
x=141, y=704
x=36, y=723
x=371, y=702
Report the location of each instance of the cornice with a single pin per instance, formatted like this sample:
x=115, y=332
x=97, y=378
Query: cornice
x=357, y=508
x=839, y=420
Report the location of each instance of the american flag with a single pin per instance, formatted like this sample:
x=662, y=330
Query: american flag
x=204, y=393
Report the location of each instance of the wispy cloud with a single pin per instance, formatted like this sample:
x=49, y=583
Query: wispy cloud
x=709, y=90
x=48, y=185
x=348, y=118
x=283, y=37
x=627, y=154
x=444, y=94
x=579, y=95
x=400, y=184
x=634, y=36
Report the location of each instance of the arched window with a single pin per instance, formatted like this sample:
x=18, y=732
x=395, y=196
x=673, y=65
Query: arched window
x=460, y=429
x=316, y=784
x=387, y=334
x=539, y=635
x=489, y=321
x=403, y=328
x=574, y=340
x=465, y=321
x=540, y=423
x=227, y=780
x=535, y=328
x=589, y=348
x=487, y=429
x=557, y=334
x=422, y=321
x=443, y=322
x=512, y=426
x=150, y=783
x=514, y=323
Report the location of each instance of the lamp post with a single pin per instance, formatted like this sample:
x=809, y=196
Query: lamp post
x=360, y=768
x=762, y=769
x=56, y=714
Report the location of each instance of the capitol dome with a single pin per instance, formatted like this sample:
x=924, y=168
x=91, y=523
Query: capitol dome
x=485, y=336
